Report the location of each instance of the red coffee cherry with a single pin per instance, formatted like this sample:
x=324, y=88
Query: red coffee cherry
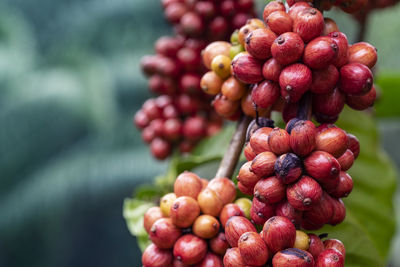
x=354, y=145
x=309, y=24
x=320, y=52
x=346, y=160
x=288, y=168
x=224, y=188
x=330, y=104
x=263, y=164
x=280, y=22
x=187, y=184
x=160, y=148
x=225, y=107
x=302, y=138
x=361, y=102
x=330, y=26
x=184, y=211
x=342, y=44
x=164, y=233
x=247, y=190
x=363, y=53
x=339, y=211
x=233, y=258
x=279, y=233
x=235, y=227
x=335, y=244
x=194, y=128
x=322, y=166
x=247, y=69
x=233, y=89
x=296, y=8
x=154, y=256
x=272, y=7
x=355, y=79
x=344, y=187
x=318, y=215
x=279, y=141
x=260, y=212
x=316, y=246
x=331, y=139
x=259, y=140
x=330, y=257
x=172, y=129
x=304, y=194
x=322, y=118
x=286, y=210
x=174, y=12
x=258, y=43
x=141, y=120
x=228, y=211
x=192, y=24
x=210, y=260
x=272, y=69
x=248, y=152
x=293, y=257
x=287, y=48
x=218, y=244
x=265, y=94
x=190, y=249
x=150, y=217
x=253, y=249
x=246, y=176
x=270, y=190
x=294, y=81
x=324, y=80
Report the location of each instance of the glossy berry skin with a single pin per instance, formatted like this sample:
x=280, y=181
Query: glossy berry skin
x=247, y=177
x=330, y=258
x=160, y=148
x=302, y=138
x=272, y=7
x=363, y=53
x=296, y=8
x=309, y=24
x=187, y=184
x=211, y=83
x=288, y=168
x=332, y=139
x=342, y=43
x=324, y=80
x=210, y=260
x=194, y=128
x=279, y=141
x=318, y=215
x=272, y=69
x=154, y=256
x=233, y=258
x=218, y=244
x=225, y=107
x=259, y=140
x=270, y=190
x=248, y=152
x=287, y=48
x=278, y=233
x=164, y=233
x=344, y=187
x=184, y=211
x=362, y=102
x=346, y=160
x=330, y=104
x=209, y=202
x=247, y=190
x=260, y=212
x=235, y=227
x=330, y=26
x=233, y=89
x=150, y=217
x=293, y=257
x=247, y=69
x=224, y=188
x=214, y=49
x=316, y=246
x=253, y=249
x=335, y=244
x=339, y=211
x=322, y=166
x=228, y=211
x=304, y=194
x=286, y=210
x=258, y=43
x=280, y=22
x=263, y=164
x=354, y=145
x=205, y=226
x=320, y=52
x=355, y=79
x=265, y=94
x=190, y=249
x=294, y=81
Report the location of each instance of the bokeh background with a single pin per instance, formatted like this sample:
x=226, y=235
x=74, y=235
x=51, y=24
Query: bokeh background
x=69, y=155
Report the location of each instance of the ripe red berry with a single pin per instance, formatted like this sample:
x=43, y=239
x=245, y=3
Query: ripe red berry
x=324, y=80
x=284, y=209
x=218, y=244
x=263, y=164
x=247, y=190
x=330, y=258
x=309, y=24
x=272, y=7
x=224, y=188
x=318, y=215
x=354, y=145
x=205, y=9
x=187, y=184
x=258, y=43
x=330, y=26
x=344, y=187
x=316, y=245
x=228, y=211
x=279, y=141
x=235, y=227
x=304, y=194
x=160, y=148
x=322, y=166
x=260, y=212
x=248, y=152
x=339, y=211
x=233, y=89
x=363, y=53
x=280, y=22
x=259, y=140
x=265, y=94
x=342, y=44
x=270, y=190
x=194, y=128
x=288, y=168
x=302, y=137
x=287, y=48
x=210, y=260
x=150, y=217
x=246, y=176
x=253, y=249
x=192, y=24
x=346, y=160
x=190, y=249
x=331, y=139
x=355, y=79
x=294, y=81
x=361, y=102
x=247, y=69
x=174, y=12
x=272, y=69
x=297, y=7
x=233, y=258
x=293, y=257
x=164, y=233
x=335, y=244
x=279, y=233
x=184, y=211
x=320, y=52
x=154, y=256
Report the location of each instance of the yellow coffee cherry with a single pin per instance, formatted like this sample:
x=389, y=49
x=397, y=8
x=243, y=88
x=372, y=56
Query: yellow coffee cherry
x=245, y=205
x=166, y=203
x=221, y=65
x=302, y=240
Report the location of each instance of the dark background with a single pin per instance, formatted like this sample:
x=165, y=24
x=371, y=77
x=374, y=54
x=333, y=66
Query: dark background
x=69, y=85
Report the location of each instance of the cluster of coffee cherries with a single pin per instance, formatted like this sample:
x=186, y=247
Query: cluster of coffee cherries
x=298, y=52
x=299, y=173
x=208, y=19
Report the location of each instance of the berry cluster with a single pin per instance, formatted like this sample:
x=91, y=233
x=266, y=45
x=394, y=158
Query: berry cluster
x=280, y=241
x=299, y=173
x=208, y=19
x=298, y=51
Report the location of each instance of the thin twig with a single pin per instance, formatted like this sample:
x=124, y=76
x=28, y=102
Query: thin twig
x=363, y=21
x=232, y=155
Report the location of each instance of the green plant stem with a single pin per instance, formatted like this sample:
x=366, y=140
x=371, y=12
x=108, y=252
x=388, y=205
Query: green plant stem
x=232, y=154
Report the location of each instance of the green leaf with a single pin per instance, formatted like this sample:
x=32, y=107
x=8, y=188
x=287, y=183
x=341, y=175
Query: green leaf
x=387, y=105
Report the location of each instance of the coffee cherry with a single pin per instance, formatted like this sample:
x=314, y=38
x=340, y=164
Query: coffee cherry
x=204, y=183
x=214, y=49
x=190, y=249
x=265, y=94
x=323, y=118
x=172, y=129
x=141, y=120
x=260, y=212
x=295, y=80
x=209, y=202
x=331, y=139
x=344, y=187
x=287, y=48
x=166, y=203
x=247, y=190
x=257, y=23
x=258, y=43
x=246, y=176
x=279, y=233
x=225, y=107
x=184, y=211
x=363, y=53
x=361, y=102
x=322, y=166
x=330, y=26
x=324, y=80
x=233, y=89
x=355, y=79
x=174, y=12
x=304, y=194
x=288, y=168
x=279, y=141
x=224, y=188
x=244, y=31
x=160, y=148
x=263, y=164
x=211, y=83
x=192, y=24
x=221, y=65
x=187, y=184
x=151, y=216
x=233, y=258
x=164, y=233
x=259, y=140
x=210, y=260
x=272, y=69
x=235, y=227
x=272, y=7
x=154, y=256
x=330, y=258
x=188, y=58
x=296, y=8
x=280, y=22
x=253, y=249
x=218, y=244
x=309, y=24
x=205, y=226
x=249, y=108
x=245, y=205
x=320, y=52
x=302, y=240
x=302, y=137
x=316, y=245
x=354, y=145
x=319, y=214
x=286, y=210
x=346, y=160
x=248, y=152
x=228, y=211
x=339, y=211
x=335, y=244
x=293, y=257
x=342, y=44
x=247, y=69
